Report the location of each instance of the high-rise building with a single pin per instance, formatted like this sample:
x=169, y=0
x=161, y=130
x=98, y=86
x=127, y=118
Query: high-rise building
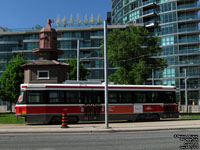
x=24, y=41
x=176, y=22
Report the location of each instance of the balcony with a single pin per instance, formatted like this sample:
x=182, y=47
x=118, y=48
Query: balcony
x=189, y=62
x=33, y=37
x=195, y=86
x=189, y=40
x=188, y=18
x=31, y=40
x=96, y=37
x=149, y=3
x=189, y=29
x=150, y=23
x=190, y=74
x=8, y=42
x=189, y=5
x=190, y=51
x=149, y=13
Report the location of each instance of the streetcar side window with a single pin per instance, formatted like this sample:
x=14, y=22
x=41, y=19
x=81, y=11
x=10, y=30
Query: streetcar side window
x=153, y=97
x=98, y=97
x=56, y=97
x=35, y=97
x=126, y=97
x=73, y=97
x=112, y=97
x=140, y=97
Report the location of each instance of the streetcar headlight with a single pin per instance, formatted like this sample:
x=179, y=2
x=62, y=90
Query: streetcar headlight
x=23, y=112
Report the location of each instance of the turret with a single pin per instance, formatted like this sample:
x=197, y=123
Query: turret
x=48, y=43
x=46, y=69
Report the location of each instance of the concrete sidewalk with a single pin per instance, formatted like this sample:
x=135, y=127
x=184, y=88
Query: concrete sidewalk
x=115, y=127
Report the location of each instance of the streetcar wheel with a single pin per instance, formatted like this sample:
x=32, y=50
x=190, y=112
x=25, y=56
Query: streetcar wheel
x=155, y=117
x=55, y=120
x=73, y=119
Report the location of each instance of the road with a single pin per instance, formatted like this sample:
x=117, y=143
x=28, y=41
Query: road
x=138, y=140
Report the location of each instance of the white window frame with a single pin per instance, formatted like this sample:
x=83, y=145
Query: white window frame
x=42, y=78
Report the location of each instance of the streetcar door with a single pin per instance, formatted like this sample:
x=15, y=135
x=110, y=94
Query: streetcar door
x=92, y=106
x=98, y=99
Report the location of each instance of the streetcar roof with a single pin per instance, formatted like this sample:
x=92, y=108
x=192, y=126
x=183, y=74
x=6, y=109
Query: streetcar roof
x=94, y=86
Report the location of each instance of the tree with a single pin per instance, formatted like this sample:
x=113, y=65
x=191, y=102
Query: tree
x=99, y=20
x=85, y=20
x=64, y=21
x=131, y=50
x=3, y=29
x=58, y=21
x=11, y=79
x=92, y=19
x=73, y=70
x=78, y=20
x=71, y=20
x=38, y=27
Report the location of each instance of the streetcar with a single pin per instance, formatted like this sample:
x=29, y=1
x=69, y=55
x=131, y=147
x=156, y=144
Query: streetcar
x=45, y=103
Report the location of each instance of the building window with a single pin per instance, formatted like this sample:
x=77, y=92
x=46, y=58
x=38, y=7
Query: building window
x=169, y=82
x=43, y=74
x=167, y=40
x=134, y=15
x=169, y=73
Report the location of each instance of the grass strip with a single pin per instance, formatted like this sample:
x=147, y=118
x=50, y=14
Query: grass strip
x=190, y=116
x=10, y=118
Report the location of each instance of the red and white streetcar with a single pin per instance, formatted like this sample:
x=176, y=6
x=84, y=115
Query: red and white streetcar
x=44, y=103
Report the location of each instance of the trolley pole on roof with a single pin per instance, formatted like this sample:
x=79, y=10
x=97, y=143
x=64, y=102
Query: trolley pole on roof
x=78, y=59
x=106, y=74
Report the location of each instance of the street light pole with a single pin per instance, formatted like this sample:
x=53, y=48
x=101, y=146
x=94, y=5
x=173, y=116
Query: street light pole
x=186, y=96
x=152, y=76
x=78, y=59
x=105, y=74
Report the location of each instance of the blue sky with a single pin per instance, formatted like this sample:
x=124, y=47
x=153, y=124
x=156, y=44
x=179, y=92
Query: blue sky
x=28, y=13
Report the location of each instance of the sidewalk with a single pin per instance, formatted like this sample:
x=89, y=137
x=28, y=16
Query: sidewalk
x=115, y=127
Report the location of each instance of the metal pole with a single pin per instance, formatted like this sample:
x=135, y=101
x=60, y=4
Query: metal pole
x=152, y=76
x=186, y=96
x=78, y=59
x=105, y=74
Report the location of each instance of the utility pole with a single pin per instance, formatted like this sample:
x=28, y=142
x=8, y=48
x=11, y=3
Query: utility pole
x=106, y=75
x=78, y=59
x=186, y=96
x=152, y=76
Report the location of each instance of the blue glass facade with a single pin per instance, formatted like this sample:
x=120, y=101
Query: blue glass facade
x=176, y=22
x=12, y=42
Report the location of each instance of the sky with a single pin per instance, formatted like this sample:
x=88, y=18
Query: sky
x=16, y=14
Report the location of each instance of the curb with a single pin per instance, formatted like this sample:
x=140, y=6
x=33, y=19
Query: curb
x=100, y=131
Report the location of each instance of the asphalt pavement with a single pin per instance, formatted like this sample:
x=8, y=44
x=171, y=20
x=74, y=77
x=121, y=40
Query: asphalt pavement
x=100, y=127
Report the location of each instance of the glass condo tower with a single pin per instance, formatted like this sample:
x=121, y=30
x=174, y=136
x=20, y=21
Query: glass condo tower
x=176, y=22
